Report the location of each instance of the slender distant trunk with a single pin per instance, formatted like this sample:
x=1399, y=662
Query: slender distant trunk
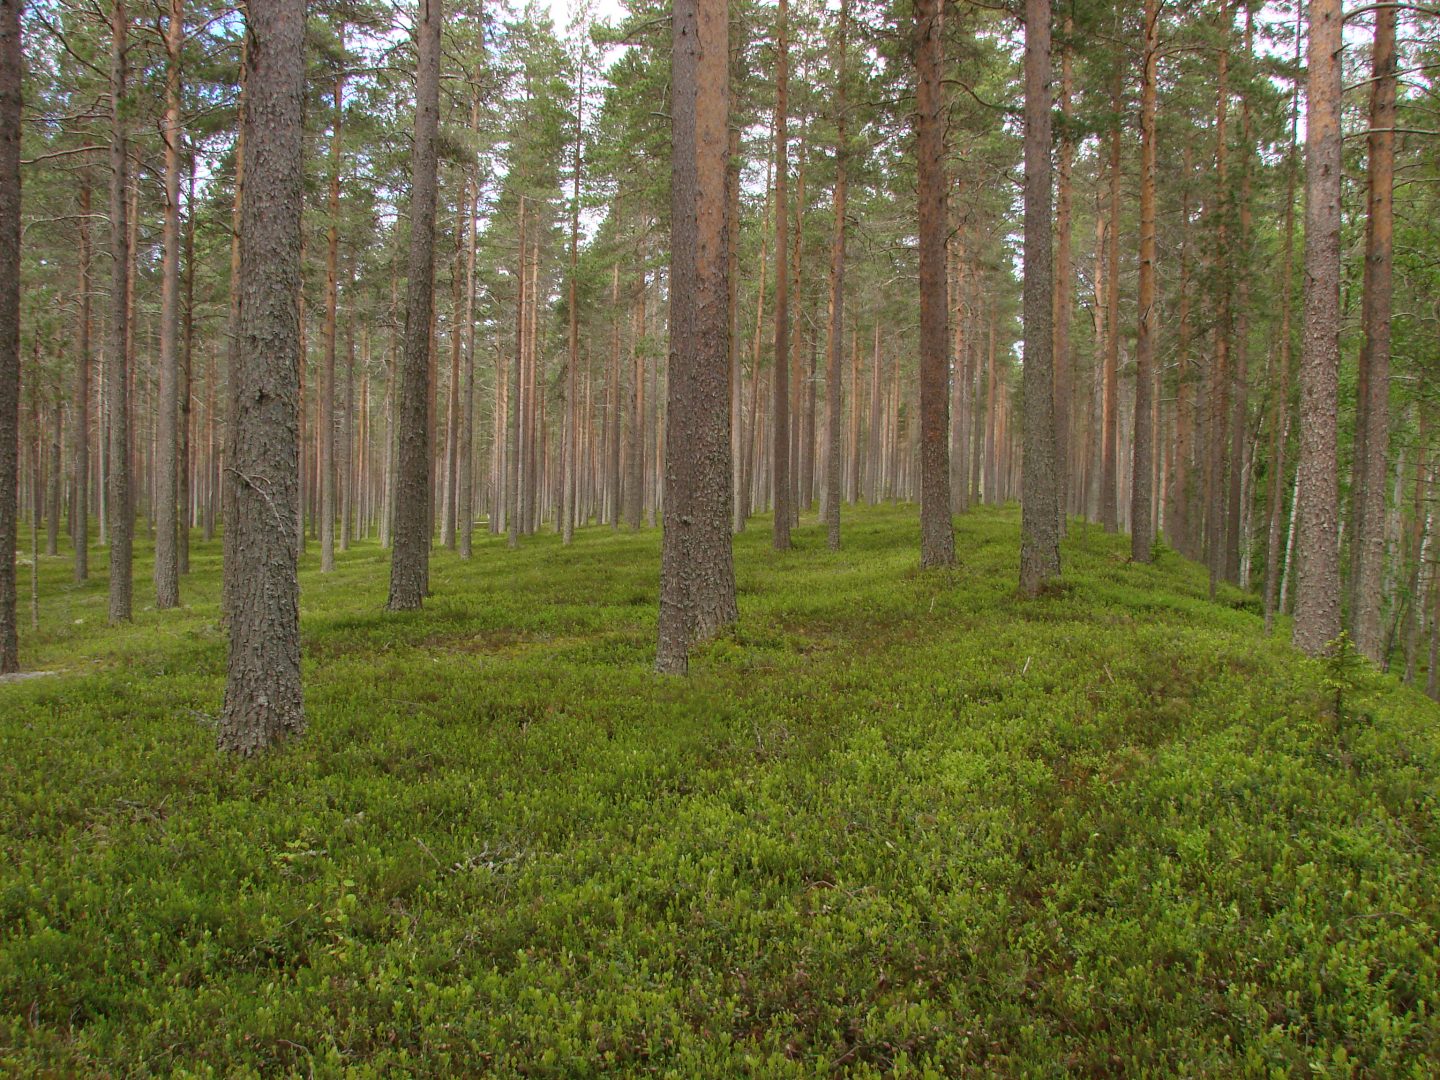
x=1217, y=411
x=1064, y=380
x=167, y=467
x=635, y=450
x=612, y=396
x=571, y=476
x=262, y=693
x=1239, y=386
x=409, y=566
x=1039, y=510
x=118, y=496
x=1317, y=595
x=332, y=294
x=780, y=447
x=222, y=491
x=937, y=534
x=449, y=480
x=11, y=68
x=836, y=341
x=1372, y=435
x=465, y=492
x=697, y=576
x=1110, y=444
x=1142, y=493
x=733, y=359
x=80, y=401
x=52, y=478
x=512, y=455
x=1280, y=403
x=187, y=356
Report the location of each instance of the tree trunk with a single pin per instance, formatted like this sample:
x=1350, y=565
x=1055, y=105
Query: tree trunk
x=1280, y=389
x=1064, y=380
x=11, y=69
x=1372, y=425
x=332, y=294
x=697, y=575
x=187, y=357
x=836, y=341
x=1039, y=510
x=1109, y=463
x=937, y=534
x=570, y=481
x=263, y=701
x=780, y=447
x=167, y=467
x=1317, y=594
x=1142, y=491
x=118, y=496
x=409, y=566
x=80, y=403
x=1217, y=411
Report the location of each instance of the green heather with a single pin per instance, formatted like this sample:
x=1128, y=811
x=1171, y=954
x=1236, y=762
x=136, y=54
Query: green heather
x=897, y=823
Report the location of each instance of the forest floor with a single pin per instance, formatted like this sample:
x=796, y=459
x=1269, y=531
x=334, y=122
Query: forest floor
x=895, y=823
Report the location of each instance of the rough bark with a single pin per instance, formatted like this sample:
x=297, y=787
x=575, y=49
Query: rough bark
x=80, y=399
x=1280, y=389
x=570, y=480
x=1064, y=304
x=780, y=444
x=937, y=533
x=11, y=66
x=409, y=565
x=118, y=389
x=1142, y=492
x=697, y=578
x=263, y=702
x=167, y=466
x=1039, y=508
x=836, y=340
x=332, y=300
x=1317, y=592
x=1110, y=419
x=1373, y=404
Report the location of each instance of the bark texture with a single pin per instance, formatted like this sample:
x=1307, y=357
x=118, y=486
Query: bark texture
x=118, y=359
x=836, y=340
x=780, y=443
x=1373, y=421
x=1040, y=504
x=263, y=701
x=10, y=72
x=697, y=572
x=409, y=565
x=937, y=532
x=1142, y=491
x=167, y=463
x=1317, y=592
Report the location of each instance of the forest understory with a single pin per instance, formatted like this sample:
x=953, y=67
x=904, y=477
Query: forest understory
x=893, y=823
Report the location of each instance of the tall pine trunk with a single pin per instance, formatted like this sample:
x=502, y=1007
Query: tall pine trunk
x=1142, y=491
x=697, y=576
x=1317, y=593
x=937, y=534
x=118, y=389
x=263, y=701
x=409, y=565
x=1372, y=435
x=11, y=67
x=167, y=465
x=1039, y=510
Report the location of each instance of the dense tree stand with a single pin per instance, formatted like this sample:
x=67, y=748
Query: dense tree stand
x=263, y=701
x=697, y=571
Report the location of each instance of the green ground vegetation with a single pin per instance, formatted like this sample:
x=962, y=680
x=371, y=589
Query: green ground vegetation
x=896, y=823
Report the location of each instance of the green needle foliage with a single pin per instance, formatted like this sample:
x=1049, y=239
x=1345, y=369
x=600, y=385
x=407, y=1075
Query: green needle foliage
x=895, y=824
